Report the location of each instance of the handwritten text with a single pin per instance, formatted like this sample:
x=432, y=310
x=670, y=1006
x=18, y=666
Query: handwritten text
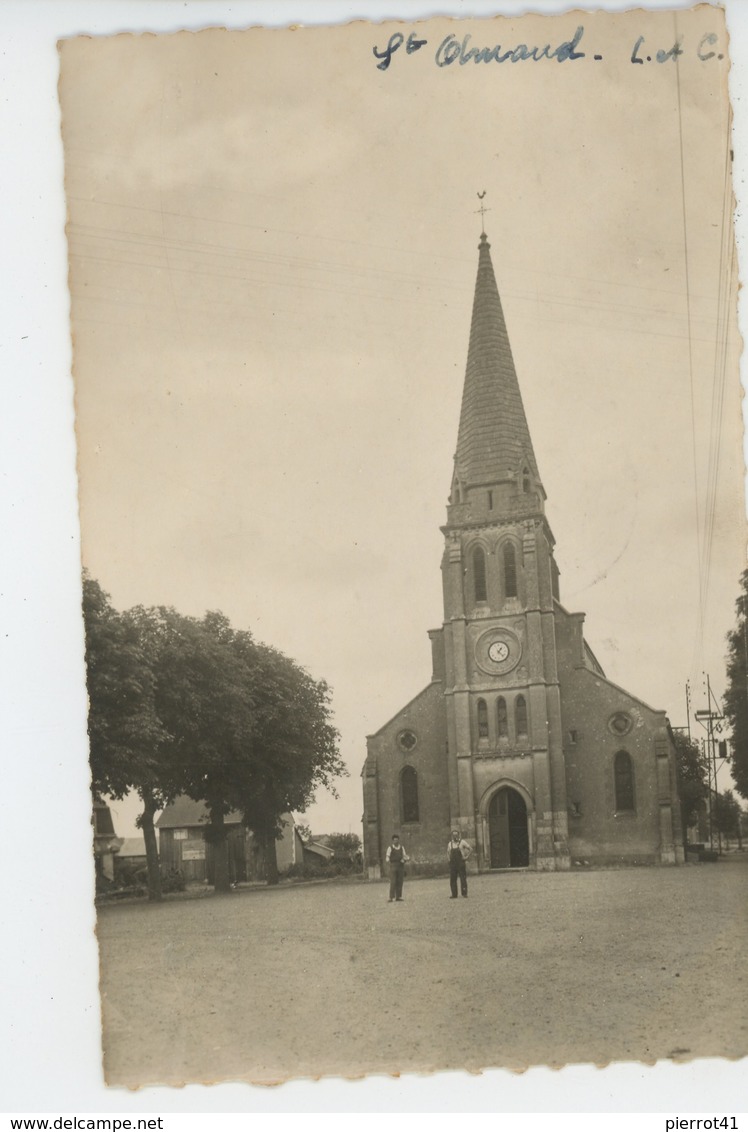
x=453, y=50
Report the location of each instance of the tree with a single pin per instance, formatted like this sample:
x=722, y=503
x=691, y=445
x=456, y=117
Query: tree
x=182, y=705
x=692, y=771
x=346, y=847
x=736, y=697
x=726, y=814
x=204, y=696
x=124, y=730
x=296, y=746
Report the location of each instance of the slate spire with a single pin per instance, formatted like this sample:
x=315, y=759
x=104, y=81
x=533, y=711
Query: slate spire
x=493, y=442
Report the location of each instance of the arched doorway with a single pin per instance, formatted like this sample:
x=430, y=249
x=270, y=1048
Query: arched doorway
x=507, y=830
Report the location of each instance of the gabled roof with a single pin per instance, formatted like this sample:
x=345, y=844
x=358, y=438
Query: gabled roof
x=183, y=812
x=102, y=818
x=589, y=672
x=318, y=848
x=493, y=439
x=402, y=710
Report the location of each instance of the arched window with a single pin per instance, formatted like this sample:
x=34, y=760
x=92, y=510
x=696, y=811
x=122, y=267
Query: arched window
x=520, y=715
x=479, y=574
x=623, y=776
x=554, y=580
x=525, y=480
x=510, y=570
x=409, y=794
x=502, y=718
x=482, y=720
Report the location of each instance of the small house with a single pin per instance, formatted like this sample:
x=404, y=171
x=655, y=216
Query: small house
x=184, y=847
x=106, y=842
x=317, y=852
x=131, y=857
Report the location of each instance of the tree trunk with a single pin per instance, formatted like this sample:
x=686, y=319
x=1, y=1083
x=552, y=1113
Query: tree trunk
x=218, y=837
x=151, y=845
x=271, y=859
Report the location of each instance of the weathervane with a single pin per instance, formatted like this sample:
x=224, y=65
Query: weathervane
x=482, y=210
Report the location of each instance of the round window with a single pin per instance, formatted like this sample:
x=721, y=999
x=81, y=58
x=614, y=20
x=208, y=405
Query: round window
x=620, y=723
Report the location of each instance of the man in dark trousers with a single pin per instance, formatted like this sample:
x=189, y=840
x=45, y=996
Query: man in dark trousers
x=459, y=851
x=396, y=858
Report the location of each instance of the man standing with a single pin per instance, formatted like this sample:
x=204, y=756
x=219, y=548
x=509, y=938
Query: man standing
x=396, y=858
x=458, y=851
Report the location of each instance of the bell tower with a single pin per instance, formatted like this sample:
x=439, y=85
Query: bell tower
x=502, y=695
x=519, y=740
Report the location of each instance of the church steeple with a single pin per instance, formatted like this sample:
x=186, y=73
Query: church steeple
x=516, y=738
x=493, y=443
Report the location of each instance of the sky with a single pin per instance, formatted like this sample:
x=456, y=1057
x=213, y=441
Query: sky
x=575, y=308
x=272, y=257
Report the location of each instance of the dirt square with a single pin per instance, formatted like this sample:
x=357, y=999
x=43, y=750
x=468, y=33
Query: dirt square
x=330, y=979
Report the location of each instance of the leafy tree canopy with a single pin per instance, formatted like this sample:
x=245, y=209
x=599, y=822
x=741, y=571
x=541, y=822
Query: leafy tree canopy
x=296, y=745
x=345, y=846
x=204, y=695
x=727, y=813
x=736, y=697
x=185, y=705
x=692, y=769
x=125, y=732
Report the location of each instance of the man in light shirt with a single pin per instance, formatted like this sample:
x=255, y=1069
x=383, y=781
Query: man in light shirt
x=396, y=858
x=458, y=852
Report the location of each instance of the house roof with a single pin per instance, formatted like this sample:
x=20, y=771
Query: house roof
x=183, y=812
x=102, y=816
x=318, y=849
x=132, y=847
x=493, y=438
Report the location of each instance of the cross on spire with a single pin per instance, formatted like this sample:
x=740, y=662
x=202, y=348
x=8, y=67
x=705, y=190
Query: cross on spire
x=482, y=210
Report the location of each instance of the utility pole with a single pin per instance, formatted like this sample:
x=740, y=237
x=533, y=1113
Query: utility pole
x=688, y=708
x=744, y=611
x=711, y=719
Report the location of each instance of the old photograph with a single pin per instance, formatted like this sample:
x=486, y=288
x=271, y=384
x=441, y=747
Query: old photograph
x=410, y=477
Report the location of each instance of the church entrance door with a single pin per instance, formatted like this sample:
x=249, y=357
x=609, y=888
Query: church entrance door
x=507, y=829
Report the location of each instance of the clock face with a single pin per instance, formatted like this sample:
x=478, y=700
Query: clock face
x=498, y=651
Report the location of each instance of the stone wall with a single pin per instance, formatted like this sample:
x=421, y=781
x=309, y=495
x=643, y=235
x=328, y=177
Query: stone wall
x=415, y=737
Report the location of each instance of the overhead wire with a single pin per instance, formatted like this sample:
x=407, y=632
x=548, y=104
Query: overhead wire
x=698, y=643
x=721, y=354
x=293, y=269
x=705, y=517
x=412, y=250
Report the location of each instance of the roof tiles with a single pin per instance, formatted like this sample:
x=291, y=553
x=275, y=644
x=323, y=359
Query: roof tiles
x=493, y=438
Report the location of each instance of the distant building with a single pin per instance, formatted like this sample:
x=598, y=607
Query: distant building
x=183, y=846
x=106, y=842
x=131, y=856
x=519, y=740
x=317, y=851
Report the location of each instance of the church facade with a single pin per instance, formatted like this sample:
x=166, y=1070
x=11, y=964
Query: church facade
x=519, y=740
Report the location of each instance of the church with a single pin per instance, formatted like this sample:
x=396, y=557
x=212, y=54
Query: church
x=519, y=740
